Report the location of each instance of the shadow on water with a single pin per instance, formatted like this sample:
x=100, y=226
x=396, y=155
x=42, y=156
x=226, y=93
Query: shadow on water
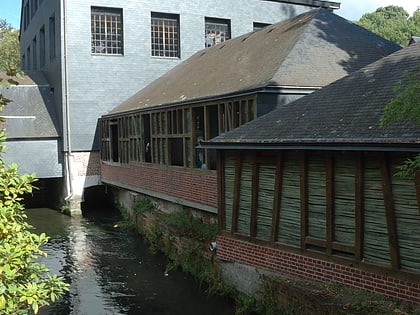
x=111, y=271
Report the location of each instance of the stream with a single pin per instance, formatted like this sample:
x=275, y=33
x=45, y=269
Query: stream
x=111, y=270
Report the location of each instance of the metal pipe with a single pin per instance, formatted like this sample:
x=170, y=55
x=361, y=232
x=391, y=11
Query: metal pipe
x=68, y=153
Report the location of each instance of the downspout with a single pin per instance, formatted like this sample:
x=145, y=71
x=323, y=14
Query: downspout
x=68, y=152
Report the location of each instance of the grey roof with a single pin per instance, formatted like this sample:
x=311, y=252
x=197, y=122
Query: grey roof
x=310, y=50
x=31, y=113
x=344, y=113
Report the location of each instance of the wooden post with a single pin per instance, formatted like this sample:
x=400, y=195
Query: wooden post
x=254, y=198
x=236, y=193
x=277, y=198
x=303, y=200
x=221, y=190
x=390, y=212
x=330, y=202
x=360, y=211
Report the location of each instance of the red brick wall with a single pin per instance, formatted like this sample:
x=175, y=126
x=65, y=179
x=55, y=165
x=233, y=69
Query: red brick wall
x=189, y=184
x=291, y=264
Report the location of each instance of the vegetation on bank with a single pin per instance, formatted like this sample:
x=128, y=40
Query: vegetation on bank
x=185, y=240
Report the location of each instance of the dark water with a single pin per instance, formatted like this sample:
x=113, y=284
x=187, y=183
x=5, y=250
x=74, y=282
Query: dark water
x=111, y=270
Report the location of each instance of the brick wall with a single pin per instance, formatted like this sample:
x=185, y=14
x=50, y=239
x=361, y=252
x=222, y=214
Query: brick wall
x=189, y=184
x=295, y=265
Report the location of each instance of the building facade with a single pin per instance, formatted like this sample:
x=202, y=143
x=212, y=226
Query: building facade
x=312, y=190
x=150, y=143
x=96, y=54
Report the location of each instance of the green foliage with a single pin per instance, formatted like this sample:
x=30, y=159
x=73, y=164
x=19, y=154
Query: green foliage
x=187, y=225
x=405, y=106
x=9, y=47
x=142, y=205
x=392, y=22
x=25, y=284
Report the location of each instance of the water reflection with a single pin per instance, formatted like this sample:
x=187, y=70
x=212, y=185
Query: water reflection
x=111, y=271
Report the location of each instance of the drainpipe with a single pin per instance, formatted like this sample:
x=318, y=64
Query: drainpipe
x=68, y=153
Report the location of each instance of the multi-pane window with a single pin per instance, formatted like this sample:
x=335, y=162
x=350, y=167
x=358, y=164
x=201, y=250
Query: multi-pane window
x=165, y=35
x=107, y=31
x=216, y=31
x=171, y=136
x=258, y=25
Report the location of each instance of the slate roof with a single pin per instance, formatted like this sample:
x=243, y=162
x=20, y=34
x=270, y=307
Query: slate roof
x=344, y=113
x=31, y=113
x=310, y=50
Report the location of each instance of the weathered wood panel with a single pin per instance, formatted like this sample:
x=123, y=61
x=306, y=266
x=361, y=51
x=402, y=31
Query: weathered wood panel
x=267, y=176
x=344, y=200
x=289, y=223
x=317, y=224
x=229, y=183
x=245, y=197
x=407, y=219
x=376, y=248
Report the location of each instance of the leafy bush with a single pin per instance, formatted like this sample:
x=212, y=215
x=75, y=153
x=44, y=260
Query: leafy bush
x=25, y=285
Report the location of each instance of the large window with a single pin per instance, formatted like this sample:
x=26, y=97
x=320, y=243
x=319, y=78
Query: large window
x=216, y=31
x=107, y=31
x=165, y=35
x=172, y=136
x=51, y=26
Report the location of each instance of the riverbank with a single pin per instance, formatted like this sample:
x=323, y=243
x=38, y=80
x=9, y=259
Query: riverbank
x=187, y=241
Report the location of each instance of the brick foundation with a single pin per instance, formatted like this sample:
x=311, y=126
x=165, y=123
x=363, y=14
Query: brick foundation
x=304, y=267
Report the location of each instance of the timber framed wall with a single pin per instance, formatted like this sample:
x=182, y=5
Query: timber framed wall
x=330, y=216
x=154, y=151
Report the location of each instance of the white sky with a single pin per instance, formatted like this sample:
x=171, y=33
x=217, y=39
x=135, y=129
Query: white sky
x=354, y=9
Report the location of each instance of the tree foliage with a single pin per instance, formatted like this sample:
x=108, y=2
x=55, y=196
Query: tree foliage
x=405, y=106
x=393, y=23
x=25, y=284
x=9, y=47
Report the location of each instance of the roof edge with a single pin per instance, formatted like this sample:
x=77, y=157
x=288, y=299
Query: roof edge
x=325, y=145
x=314, y=3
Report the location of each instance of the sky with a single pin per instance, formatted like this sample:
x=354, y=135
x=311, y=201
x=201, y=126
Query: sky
x=350, y=9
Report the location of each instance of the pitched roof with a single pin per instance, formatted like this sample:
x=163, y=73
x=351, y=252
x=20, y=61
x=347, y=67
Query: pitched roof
x=31, y=113
x=346, y=112
x=310, y=50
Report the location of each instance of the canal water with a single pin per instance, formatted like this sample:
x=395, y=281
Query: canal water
x=112, y=271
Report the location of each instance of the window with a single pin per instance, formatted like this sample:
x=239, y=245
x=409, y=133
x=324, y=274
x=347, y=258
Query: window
x=107, y=31
x=216, y=31
x=165, y=35
x=28, y=61
x=34, y=54
x=258, y=26
x=34, y=7
x=42, y=47
x=52, y=37
x=26, y=16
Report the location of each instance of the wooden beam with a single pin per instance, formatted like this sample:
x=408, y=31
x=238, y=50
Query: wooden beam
x=330, y=202
x=417, y=183
x=390, y=212
x=277, y=198
x=254, y=200
x=303, y=200
x=360, y=211
x=236, y=192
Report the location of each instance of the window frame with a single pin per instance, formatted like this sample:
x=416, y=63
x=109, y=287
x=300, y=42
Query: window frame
x=165, y=43
x=213, y=29
x=107, y=31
